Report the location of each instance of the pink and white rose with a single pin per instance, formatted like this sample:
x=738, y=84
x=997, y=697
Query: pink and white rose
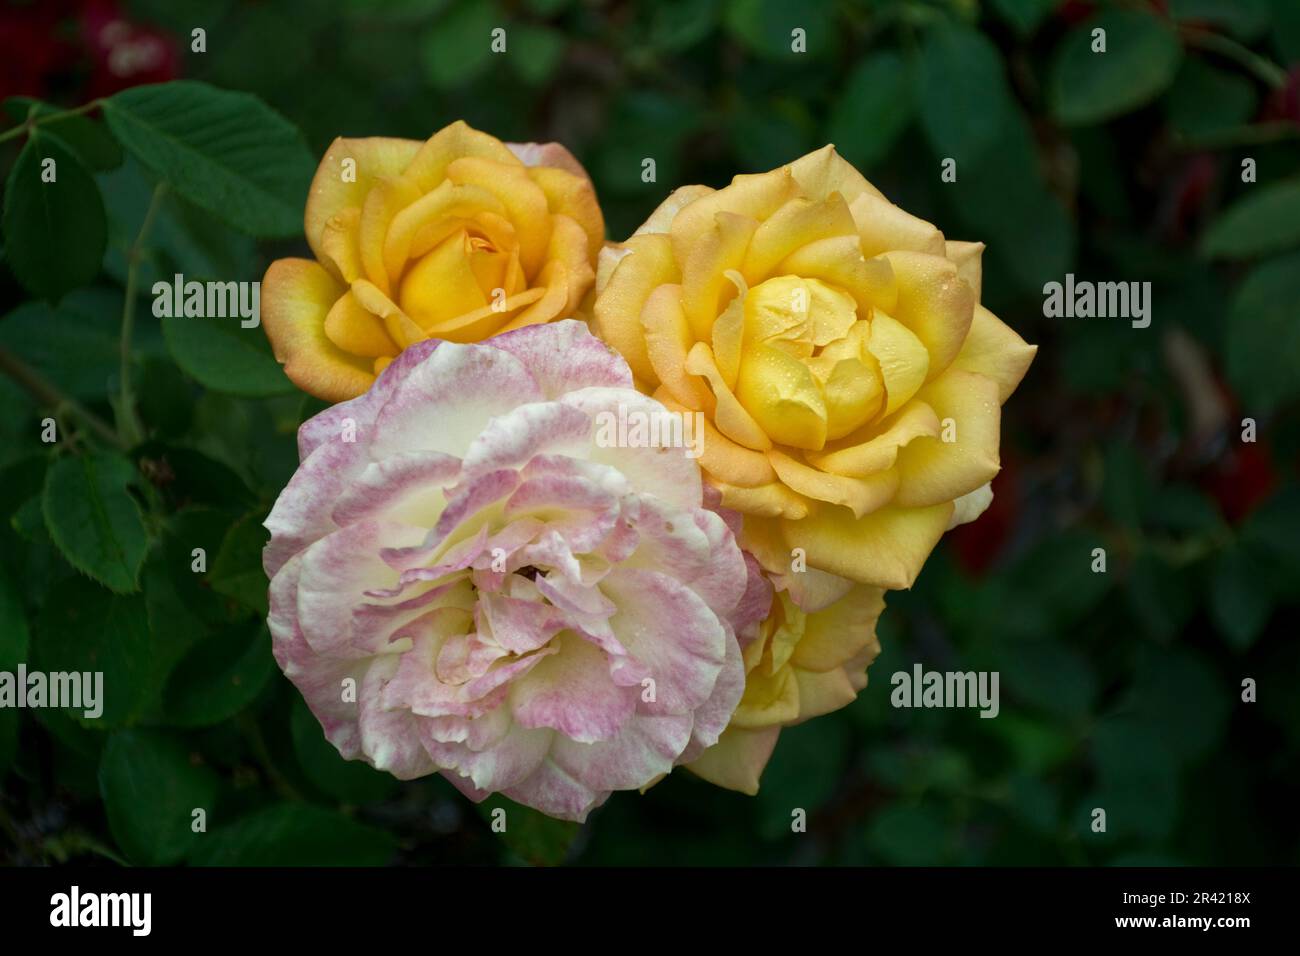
x=465, y=581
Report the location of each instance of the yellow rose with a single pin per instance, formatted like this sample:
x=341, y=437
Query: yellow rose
x=801, y=665
x=850, y=381
x=459, y=238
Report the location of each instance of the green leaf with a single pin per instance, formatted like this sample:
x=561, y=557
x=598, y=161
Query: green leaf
x=1265, y=221
x=458, y=46
x=1003, y=196
x=184, y=238
x=803, y=773
x=13, y=651
x=1245, y=18
x=225, y=151
x=1137, y=778
x=536, y=52
x=93, y=519
x=765, y=26
x=219, y=677
x=83, y=627
x=151, y=790
x=220, y=354
x=295, y=834
x=532, y=836
x=1178, y=694
x=1205, y=99
x=93, y=144
x=237, y=571
x=1240, y=599
x=679, y=24
x=1141, y=58
x=54, y=232
x=75, y=344
x=352, y=781
x=871, y=109
x=964, y=100
x=1263, y=335
x=1025, y=15
x=906, y=835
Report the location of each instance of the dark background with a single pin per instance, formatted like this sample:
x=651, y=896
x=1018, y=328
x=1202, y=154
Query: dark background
x=1120, y=690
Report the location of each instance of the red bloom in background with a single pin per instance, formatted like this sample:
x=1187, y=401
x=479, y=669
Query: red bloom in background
x=977, y=545
x=75, y=50
x=124, y=53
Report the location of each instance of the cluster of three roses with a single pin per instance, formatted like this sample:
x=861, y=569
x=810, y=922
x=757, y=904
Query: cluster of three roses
x=527, y=611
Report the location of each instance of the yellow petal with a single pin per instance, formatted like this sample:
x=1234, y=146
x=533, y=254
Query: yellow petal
x=902, y=357
x=859, y=495
x=933, y=302
x=885, y=548
x=875, y=449
x=824, y=171
x=335, y=189
x=705, y=286
x=400, y=328
x=933, y=470
x=421, y=220
x=885, y=227
x=523, y=199
x=838, y=262
x=553, y=303
x=721, y=457
x=781, y=394
x=737, y=760
x=766, y=501
x=429, y=166
x=442, y=285
x=646, y=263
x=769, y=700
x=968, y=258
x=730, y=416
x=797, y=223
x=661, y=220
x=751, y=196
x=488, y=321
x=994, y=349
x=668, y=341
x=340, y=251
x=836, y=634
x=854, y=392
x=729, y=340
x=388, y=198
x=297, y=295
x=353, y=329
x=569, y=245
x=573, y=196
x=822, y=692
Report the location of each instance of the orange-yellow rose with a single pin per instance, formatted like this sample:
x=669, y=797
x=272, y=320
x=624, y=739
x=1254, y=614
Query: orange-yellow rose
x=850, y=381
x=801, y=665
x=457, y=238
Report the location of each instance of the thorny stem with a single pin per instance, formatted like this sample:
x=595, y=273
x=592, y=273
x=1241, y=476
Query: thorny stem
x=35, y=120
x=47, y=394
x=127, y=423
x=1262, y=67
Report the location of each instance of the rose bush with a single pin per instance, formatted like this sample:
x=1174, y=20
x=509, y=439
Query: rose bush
x=850, y=379
x=457, y=238
x=464, y=580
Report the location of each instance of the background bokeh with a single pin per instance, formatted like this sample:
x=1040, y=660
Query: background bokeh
x=1119, y=690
